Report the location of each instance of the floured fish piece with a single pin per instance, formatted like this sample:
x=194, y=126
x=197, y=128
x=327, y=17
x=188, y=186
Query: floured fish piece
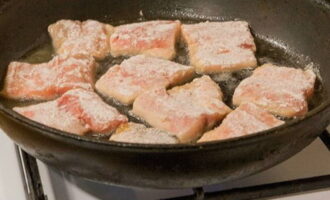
x=153, y=38
x=49, y=114
x=244, y=120
x=90, y=108
x=137, y=74
x=220, y=46
x=138, y=133
x=184, y=111
x=77, y=111
x=282, y=91
x=47, y=81
x=75, y=37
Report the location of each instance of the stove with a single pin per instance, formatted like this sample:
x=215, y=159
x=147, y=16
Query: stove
x=305, y=176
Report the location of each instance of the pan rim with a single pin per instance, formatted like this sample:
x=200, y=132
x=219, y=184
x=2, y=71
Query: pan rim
x=231, y=142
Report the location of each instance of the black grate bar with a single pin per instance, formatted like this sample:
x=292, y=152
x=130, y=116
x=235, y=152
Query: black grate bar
x=30, y=172
x=199, y=193
x=325, y=137
x=267, y=190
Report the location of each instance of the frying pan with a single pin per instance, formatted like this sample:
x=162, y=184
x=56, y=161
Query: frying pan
x=295, y=32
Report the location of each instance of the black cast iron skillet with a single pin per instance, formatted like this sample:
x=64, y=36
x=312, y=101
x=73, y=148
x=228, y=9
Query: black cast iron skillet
x=297, y=30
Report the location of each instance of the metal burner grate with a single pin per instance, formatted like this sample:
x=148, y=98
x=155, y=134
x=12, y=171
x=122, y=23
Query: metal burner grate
x=30, y=172
x=34, y=189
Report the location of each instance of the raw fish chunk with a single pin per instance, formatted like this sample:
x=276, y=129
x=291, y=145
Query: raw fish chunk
x=137, y=74
x=74, y=37
x=282, y=91
x=184, y=111
x=220, y=46
x=77, y=111
x=244, y=120
x=153, y=38
x=138, y=133
x=47, y=81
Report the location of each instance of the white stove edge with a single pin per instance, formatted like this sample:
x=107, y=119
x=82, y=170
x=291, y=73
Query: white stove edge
x=11, y=181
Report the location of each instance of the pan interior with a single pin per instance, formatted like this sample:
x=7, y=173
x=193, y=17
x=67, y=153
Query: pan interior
x=268, y=50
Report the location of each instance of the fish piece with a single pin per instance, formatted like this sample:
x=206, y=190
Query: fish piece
x=244, y=120
x=282, y=90
x=72, y=37
x=77, y=111
x=49, y=80
x=184, y=111
x=49, y=114
x=137, y=74
x=219, y=46
x=90, y=108
x=154, y=38
x=138, y=133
